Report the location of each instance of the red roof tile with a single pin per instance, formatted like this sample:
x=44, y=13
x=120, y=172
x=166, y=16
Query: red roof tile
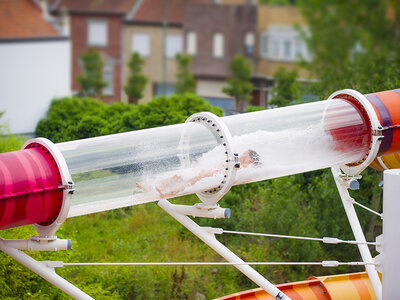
x=96, y=6
x=23, y=19
x=152, y=11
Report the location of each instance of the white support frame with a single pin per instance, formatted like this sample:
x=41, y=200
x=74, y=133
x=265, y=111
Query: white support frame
x=342, y=186
x=390, y=247
x=208, y=237
x=43, y=269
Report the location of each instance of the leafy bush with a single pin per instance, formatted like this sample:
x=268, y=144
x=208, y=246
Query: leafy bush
x=77, y=118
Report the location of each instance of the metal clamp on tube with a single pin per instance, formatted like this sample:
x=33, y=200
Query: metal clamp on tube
x=367, y=111
x=66, y=186
x=222, y=133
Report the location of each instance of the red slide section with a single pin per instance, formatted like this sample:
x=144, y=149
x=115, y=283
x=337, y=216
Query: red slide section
x=30, y=187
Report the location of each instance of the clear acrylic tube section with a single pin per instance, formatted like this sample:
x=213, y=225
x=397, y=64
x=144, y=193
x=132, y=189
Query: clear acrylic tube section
x=146, y=165
x=135, y=167
x=299, y=138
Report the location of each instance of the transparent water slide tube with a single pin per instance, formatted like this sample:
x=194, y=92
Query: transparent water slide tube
x=125, y=169
x=141, y=166
x=299, y=138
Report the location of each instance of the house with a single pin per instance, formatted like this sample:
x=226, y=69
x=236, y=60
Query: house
x=280, y=43
x=214, y=34
x=157, y=42
x=35, y=63
x=98, y=24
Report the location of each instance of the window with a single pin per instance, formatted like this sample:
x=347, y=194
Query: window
x=284, y=43
x=287, y=49
x=108, y=76
x=264, y=44
x=191, y=43
x=249, y=43
x=174, y=45
x=97, y=33
x=141, y=44
x=276, y=49
x=218, y=45
x=161, y=89
x=227, y=104
x=299, y=48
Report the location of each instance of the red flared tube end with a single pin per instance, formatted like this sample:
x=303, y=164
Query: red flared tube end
x=30, y=187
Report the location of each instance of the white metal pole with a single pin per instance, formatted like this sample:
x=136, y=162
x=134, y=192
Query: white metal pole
x=42, y=270
x=211, y=241
x=391, y=236
x=358, y=232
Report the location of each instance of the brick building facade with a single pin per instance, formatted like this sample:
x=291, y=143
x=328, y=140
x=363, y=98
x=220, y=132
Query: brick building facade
x=214, y=34
x=98, y=25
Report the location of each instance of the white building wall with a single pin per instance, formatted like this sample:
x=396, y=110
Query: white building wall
x=210, y=88
x=32, y=73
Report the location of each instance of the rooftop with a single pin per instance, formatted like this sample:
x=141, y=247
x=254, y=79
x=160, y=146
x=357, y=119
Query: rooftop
x=95, y=6
x=151, y=11
x=23, y=19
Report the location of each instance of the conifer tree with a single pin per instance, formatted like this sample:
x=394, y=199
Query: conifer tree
x=239, y=84
x=137, y=80
x=91, y=79
x=185, y=83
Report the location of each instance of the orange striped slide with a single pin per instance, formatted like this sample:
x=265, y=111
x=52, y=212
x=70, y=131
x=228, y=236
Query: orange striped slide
x=354, y=286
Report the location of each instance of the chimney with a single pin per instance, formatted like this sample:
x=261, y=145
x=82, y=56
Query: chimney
x=64, y=21
x=45, y=9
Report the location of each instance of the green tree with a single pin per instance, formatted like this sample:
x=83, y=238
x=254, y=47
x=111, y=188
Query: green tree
x=239, y=84
x=287, y=88
x=137, y=80
x=351, y=47
x=185, y=83
x=91, y=79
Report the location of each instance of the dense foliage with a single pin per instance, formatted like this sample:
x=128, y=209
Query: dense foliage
x=351, y=46
x=76, y=118
x=137, y=80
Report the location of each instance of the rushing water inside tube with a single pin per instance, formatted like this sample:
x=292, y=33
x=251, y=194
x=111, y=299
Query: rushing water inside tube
x=142, y=166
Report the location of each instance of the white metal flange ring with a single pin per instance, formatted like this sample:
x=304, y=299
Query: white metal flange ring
x=66, y=184
x=221, y=132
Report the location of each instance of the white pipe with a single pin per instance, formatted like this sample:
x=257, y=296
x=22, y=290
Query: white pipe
x=358, y=232
x=36, y=245
x=198, y=211
x=391, y=240
x=42, y=270
x=324, y=263
x=211, y=241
